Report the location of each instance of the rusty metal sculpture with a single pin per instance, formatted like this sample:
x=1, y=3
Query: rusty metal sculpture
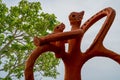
x=74, y=59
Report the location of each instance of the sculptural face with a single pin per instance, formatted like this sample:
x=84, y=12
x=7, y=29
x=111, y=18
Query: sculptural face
x=59, y=28
x=76, y=17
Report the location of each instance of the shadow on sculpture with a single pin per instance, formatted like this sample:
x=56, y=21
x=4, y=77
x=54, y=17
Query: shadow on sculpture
x=74, y=59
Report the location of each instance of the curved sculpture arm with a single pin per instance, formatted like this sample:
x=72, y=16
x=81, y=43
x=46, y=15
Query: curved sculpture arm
x=110, y=13
x=61, y=36
x=103, y=52
x=33, y=56
x=110, y=54
x=97, y=48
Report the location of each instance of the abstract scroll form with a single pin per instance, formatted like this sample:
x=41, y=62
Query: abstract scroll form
x=74, y=58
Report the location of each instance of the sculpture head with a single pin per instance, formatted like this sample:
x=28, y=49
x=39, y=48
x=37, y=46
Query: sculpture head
x=59, y=28
x=75, y=18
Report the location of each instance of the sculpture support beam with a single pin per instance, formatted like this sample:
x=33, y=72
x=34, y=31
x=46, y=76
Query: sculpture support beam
x=101, y=51
x=61, y=36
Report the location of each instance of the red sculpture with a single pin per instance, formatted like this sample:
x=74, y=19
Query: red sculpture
x=74, y=59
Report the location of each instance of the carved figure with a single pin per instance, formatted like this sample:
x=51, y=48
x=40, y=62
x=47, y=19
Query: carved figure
x=74, y=59
x=60, y=44
x=75, y=19
x=57, y=29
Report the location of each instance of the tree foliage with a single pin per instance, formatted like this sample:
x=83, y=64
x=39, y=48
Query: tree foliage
x=18, y=25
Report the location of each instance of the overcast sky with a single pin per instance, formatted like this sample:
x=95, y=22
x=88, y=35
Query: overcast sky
x=96, y=68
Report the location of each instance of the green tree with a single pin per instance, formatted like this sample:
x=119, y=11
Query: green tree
x=18, y=25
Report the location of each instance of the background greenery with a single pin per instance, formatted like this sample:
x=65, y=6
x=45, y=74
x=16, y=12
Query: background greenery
x=18, y=25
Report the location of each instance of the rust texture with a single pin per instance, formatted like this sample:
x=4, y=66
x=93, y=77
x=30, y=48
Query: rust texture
x=74, y=58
